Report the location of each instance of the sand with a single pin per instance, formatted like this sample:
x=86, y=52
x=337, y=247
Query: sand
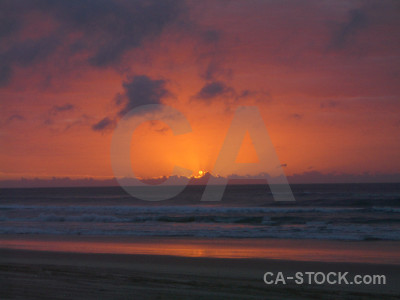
x=27, y=274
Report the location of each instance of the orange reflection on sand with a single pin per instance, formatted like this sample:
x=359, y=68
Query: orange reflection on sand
x=300, y=250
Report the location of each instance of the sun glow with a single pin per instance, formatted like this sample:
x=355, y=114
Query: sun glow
x=199, y=174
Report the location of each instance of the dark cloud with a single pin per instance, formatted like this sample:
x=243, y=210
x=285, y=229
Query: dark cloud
x=104, y=30
x=25, y=53
x=220, y=91
x=31, y=51
x=104, y=125
x=214, y=89
x=216, y=70
x=15, y=117
x=138, y=90
x=117, y=26
x=347, y=31
x=8, y=25
x=11, y=16
x=141, y=90
x=62, y=108
x=5, y=73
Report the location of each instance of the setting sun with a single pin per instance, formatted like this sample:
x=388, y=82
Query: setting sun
x=199, y=174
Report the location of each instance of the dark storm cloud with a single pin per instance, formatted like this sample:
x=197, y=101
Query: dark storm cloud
x=141, y=90
x=106, y=29
x=5, y=73
x=214, y=89
x=8, y=25
x=31, y=51
x=23, y=54
x=347, y=31
x=114, y=26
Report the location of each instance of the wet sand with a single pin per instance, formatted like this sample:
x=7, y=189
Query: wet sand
x=29, y=274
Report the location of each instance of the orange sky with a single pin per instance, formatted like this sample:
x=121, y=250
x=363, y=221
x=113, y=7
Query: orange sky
x=325, y=76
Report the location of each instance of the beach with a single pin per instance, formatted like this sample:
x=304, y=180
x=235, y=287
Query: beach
x=75, y=274
x=99, y=243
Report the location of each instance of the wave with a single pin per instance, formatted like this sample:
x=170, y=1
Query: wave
x=308, y=232
x=179, y=209
x=140, y=219
x=255, y=220
x=386, y=209
x=294, y=222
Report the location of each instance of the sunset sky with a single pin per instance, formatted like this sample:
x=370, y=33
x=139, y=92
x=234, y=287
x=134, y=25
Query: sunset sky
x=324, y=74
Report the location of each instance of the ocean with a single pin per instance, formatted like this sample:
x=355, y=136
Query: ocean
x=321, y=211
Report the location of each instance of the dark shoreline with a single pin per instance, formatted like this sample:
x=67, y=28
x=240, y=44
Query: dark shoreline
x=60, y=275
